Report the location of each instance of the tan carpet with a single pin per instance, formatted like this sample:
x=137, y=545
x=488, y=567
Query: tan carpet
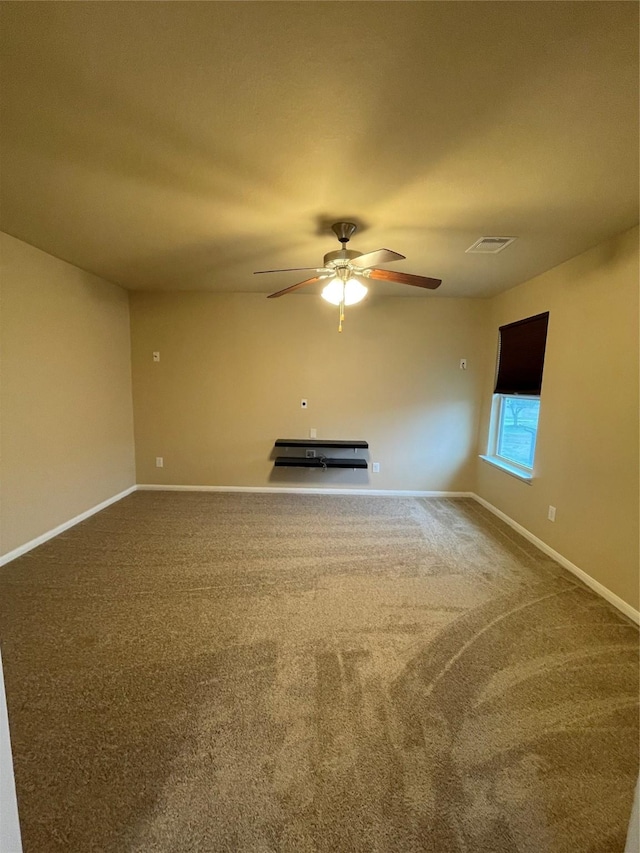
x=314, y=674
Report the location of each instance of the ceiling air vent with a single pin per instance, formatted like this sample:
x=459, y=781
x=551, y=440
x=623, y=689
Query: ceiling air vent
x=489, y=245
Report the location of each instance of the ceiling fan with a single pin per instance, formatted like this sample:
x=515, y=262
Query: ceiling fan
x=344, y=268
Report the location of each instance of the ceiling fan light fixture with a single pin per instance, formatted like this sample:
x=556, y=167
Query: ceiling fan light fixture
x=352, y=290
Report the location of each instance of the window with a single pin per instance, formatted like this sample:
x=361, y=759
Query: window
x=516, y=403
x=516, y=429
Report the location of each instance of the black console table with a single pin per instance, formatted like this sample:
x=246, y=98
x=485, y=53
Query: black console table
x=321, y=460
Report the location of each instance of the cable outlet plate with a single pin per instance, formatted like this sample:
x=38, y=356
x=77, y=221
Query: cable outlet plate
x=310, y=454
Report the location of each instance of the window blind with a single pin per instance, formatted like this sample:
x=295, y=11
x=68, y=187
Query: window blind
x=521, y=356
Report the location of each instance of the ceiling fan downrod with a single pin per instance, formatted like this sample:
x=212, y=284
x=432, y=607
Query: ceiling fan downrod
x=344, y=231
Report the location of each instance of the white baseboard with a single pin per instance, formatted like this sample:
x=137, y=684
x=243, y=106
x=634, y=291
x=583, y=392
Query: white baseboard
x=593, y=584
x=386, y=493
x=39, y=540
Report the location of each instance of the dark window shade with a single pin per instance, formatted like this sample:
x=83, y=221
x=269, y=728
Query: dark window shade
x=521, y=356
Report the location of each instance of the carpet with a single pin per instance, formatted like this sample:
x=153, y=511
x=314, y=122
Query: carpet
x=269, y=673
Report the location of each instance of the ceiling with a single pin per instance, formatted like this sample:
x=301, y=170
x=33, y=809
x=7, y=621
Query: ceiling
x=183, y=145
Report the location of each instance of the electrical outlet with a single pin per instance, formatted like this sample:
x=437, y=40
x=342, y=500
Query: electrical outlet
x=304, y=403
x=376, y=467
x=311, y=454
x=551, y=515
x=159, y=462
x=156, y=356
x=313, y=432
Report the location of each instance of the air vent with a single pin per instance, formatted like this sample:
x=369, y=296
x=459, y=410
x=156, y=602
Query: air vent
x=489, y=245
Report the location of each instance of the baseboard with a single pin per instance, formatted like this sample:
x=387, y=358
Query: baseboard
x=386, y=493
x=39, y=540
x=619, y=603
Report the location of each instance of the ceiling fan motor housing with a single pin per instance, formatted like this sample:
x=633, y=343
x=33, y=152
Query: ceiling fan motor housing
x=340, y=257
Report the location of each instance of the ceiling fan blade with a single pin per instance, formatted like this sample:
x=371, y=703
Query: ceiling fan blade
x=297, y=286
x=292, y=269
x=380, y=256
x=405, y=278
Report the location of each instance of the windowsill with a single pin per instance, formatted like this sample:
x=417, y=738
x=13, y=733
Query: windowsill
x=525, y=476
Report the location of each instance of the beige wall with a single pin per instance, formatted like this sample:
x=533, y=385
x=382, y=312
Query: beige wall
x=66, y=411
x=234, y=367
x=587, y=454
